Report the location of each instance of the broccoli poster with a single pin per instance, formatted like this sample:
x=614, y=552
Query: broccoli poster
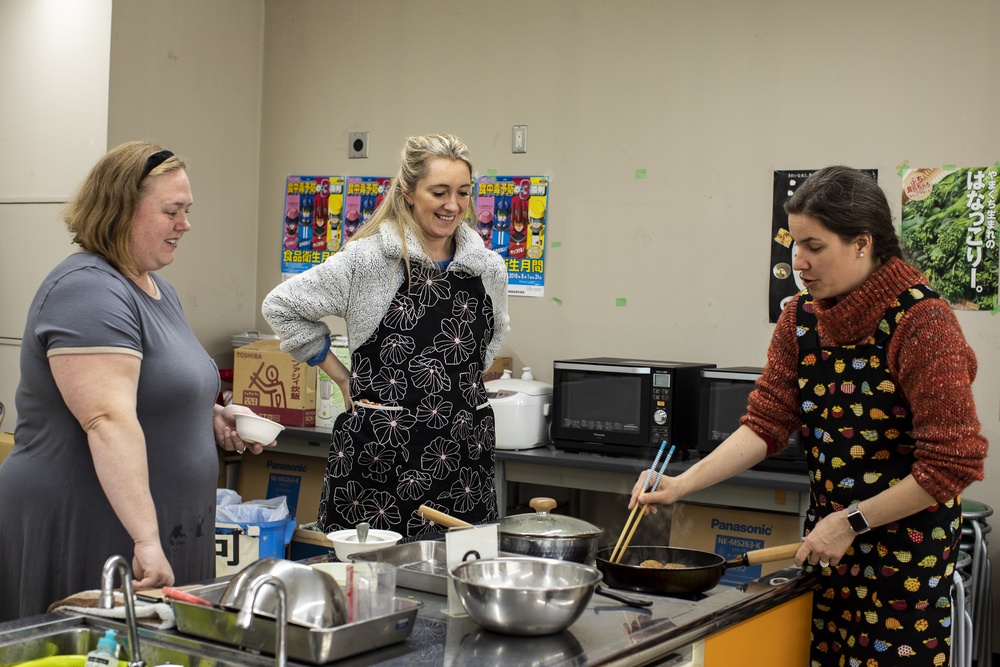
x=949, y=232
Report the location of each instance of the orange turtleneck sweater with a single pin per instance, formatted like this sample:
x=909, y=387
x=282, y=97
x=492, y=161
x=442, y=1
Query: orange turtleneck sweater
x=930, y=363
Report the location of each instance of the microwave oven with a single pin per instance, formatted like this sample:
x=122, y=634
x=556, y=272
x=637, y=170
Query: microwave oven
x=724, y=394
x=625, y=407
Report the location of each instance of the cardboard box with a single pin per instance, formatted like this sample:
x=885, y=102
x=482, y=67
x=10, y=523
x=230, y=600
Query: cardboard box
x=496, y=369
x=273, y=384
x=272, y=474
x=730, y=533
x=6, y=444
x=307, y=542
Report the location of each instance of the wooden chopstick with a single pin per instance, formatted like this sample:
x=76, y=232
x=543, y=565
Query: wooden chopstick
x=645, y=485
x=659, y=475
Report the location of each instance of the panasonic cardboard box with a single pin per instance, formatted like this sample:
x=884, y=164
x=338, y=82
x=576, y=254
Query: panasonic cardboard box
x=272, y=474
x=273, y=384
x=731, y=532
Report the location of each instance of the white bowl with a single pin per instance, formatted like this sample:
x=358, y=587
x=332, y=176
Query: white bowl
x=345, y=542
x=336, y=570
x=257, y=429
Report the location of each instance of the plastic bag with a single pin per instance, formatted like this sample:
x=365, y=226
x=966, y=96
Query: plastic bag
x=253, y=511
x=227, y=497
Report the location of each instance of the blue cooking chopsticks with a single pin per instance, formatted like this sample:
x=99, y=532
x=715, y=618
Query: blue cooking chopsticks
x=619, y=550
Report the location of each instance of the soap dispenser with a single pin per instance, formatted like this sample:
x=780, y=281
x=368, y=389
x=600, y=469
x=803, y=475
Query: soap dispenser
x=106, y=653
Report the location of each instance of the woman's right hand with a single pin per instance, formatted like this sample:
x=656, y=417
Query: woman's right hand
x=664, y=494
x=150, y=567
x=338, y=372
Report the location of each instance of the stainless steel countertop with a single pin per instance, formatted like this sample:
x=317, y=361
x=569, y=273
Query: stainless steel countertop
x=608, y=633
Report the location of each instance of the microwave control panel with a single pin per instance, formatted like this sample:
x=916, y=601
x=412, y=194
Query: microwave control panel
x=660, y=409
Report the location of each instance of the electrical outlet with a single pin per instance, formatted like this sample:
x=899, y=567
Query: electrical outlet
x=519, y=139
x=357, y=144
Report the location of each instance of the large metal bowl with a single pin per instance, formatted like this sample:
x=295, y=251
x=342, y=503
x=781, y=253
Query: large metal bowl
x=314, y=598
x=525, y=596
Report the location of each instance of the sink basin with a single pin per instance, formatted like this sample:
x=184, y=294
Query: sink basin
x=77, y=635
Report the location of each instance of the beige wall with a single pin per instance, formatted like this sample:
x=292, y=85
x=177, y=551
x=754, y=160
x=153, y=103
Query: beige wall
x=709, y=97
x=187, y=74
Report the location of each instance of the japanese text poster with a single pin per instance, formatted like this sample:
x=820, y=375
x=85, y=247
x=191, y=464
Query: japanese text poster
x=949, y=232
x=364, y=194
x=312, y=228
x=511, y=218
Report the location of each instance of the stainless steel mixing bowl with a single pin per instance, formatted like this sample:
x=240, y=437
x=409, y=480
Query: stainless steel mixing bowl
x=314, y=598
x=525, y=596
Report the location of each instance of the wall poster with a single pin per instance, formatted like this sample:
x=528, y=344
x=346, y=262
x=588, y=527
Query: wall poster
x=783, y=282
x=313, y=207
x=511, y=217
x=322, y=213
x=949, y=232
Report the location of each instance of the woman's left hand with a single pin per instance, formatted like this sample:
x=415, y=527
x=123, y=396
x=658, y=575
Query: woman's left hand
x=827, y=542
x=224, y=425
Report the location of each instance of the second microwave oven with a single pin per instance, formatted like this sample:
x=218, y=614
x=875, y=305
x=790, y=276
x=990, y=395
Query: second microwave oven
x=625, y=407
x=724, y=394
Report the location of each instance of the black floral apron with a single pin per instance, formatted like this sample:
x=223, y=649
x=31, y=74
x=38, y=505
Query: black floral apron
x=887, y=603
x=422, y=431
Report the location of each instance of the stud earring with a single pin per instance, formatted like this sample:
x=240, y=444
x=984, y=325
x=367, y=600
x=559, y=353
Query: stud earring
x=861, y=254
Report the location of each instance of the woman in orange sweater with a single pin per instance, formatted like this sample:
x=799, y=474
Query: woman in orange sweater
x=873, y=368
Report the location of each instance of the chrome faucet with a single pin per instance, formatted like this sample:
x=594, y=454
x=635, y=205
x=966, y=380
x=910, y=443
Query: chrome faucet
x=245, y=615
x=107, y=601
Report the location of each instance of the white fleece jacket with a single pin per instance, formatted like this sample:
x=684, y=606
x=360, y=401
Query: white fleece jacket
x=359, y=282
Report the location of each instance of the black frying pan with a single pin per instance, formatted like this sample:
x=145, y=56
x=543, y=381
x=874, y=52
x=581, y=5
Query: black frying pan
x=700, y=571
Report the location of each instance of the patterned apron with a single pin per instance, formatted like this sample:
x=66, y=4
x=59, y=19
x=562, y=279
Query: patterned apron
x=422, y=431
x=887, y=603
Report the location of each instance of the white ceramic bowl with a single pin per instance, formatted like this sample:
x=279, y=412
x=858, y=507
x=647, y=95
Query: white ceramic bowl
x=336, y=570
x=257, y=429
x=345, y=542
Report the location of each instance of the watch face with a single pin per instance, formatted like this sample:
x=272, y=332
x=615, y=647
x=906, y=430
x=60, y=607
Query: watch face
x=857, y=520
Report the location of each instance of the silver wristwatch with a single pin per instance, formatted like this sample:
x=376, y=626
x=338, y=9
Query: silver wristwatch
x=857, y=520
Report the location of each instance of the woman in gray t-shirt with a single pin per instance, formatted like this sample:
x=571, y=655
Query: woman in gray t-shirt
x=115, y=443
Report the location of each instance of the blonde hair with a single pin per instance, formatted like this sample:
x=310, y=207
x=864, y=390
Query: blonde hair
x=414, y=161
x=100, y=213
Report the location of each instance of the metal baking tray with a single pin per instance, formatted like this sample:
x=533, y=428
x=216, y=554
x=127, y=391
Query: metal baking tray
x=312, y=645
x=420, y=566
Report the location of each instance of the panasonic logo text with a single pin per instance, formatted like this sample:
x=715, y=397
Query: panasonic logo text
x=762, y=529
x=292, y=467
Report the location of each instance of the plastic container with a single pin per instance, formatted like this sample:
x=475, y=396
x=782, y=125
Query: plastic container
x=106, y=653
x=274, y=536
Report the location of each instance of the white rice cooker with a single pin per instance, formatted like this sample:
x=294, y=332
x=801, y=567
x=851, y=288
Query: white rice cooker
x=522, y=408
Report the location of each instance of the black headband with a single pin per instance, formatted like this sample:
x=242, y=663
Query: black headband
x=154, y=161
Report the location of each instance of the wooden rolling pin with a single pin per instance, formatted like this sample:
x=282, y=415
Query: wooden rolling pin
x=441, y=518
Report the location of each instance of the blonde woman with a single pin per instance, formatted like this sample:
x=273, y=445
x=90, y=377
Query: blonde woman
x=425, y=305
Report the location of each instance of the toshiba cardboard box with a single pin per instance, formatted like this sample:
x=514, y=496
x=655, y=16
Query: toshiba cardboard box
x=730, y=533
x=273, y=384
x=272, y=474
x=496, y=369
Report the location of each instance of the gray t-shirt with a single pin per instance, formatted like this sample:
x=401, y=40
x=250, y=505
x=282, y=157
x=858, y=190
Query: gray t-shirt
x=56, y=525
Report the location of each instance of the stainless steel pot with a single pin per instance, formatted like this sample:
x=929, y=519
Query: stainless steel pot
x=538, y=533
x=546, y=535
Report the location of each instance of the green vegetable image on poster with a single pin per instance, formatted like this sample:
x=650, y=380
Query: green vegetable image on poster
x=948, y=231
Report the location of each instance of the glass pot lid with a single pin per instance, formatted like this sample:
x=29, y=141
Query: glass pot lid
x=541, y=523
